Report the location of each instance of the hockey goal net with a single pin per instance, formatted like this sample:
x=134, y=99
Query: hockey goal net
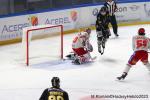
x=45, y=46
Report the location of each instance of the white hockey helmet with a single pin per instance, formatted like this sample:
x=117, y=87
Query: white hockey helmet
x=83, y=35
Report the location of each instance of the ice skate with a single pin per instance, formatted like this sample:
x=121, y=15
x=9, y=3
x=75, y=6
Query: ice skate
x=116, y=35
x=122, y=77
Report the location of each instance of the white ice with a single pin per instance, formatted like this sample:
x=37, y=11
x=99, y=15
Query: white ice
x=18, y=82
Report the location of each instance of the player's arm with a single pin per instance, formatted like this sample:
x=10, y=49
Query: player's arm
x=99, y=28
x=66, y=97
x=149, y=43
x=86, y=44
x=44, y=95
x=108, y=19
x=133, y=43
x=115, y=6
x=99, y=25
x=98, y=22
x=105, y=4
x=96, y=25
x=84, y=41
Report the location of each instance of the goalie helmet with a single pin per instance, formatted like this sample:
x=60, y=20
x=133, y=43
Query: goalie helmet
x=55, y=82
x=84, y=35
x=141, y=31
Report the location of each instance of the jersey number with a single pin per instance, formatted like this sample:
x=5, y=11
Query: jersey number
x=141, y=43
x=52, y=97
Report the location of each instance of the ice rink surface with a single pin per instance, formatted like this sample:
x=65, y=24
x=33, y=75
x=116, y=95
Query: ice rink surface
x=18, y=82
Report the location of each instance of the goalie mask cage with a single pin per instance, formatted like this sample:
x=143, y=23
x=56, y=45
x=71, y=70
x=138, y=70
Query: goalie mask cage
x=32, y=32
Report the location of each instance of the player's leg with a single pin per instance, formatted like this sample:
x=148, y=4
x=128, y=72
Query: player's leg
x=132, y=61
x=89, y=47
x=79, y=51
x=79, y=55
x=105, y=37
x=114, y=25
x=84, y=58
x=99, y=42
x=103, y=42
x=145, y=60
x=107, y=33
x=147, y=66
x=125, y=72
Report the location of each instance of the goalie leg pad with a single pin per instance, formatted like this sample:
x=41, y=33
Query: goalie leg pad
x=85, y=58
x=82, y=59
x=79, y=51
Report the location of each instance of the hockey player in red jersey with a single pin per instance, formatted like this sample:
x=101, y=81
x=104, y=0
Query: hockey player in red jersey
x=140, y=45
x=81, y=47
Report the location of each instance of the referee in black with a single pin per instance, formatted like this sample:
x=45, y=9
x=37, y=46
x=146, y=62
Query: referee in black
x=112, y=7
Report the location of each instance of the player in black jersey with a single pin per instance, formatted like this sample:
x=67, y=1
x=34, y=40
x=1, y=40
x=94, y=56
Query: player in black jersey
x=55, y=92
x=102, y=28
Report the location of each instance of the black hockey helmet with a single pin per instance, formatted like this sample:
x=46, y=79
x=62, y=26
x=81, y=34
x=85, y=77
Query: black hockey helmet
x=141, y=31
x=103, y=10
x=55, y=82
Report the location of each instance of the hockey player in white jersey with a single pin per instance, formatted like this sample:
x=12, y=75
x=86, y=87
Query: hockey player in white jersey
x=140, y=45
x=81, y=47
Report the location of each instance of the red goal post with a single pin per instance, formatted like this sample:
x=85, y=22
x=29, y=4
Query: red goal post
x=26, y=37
